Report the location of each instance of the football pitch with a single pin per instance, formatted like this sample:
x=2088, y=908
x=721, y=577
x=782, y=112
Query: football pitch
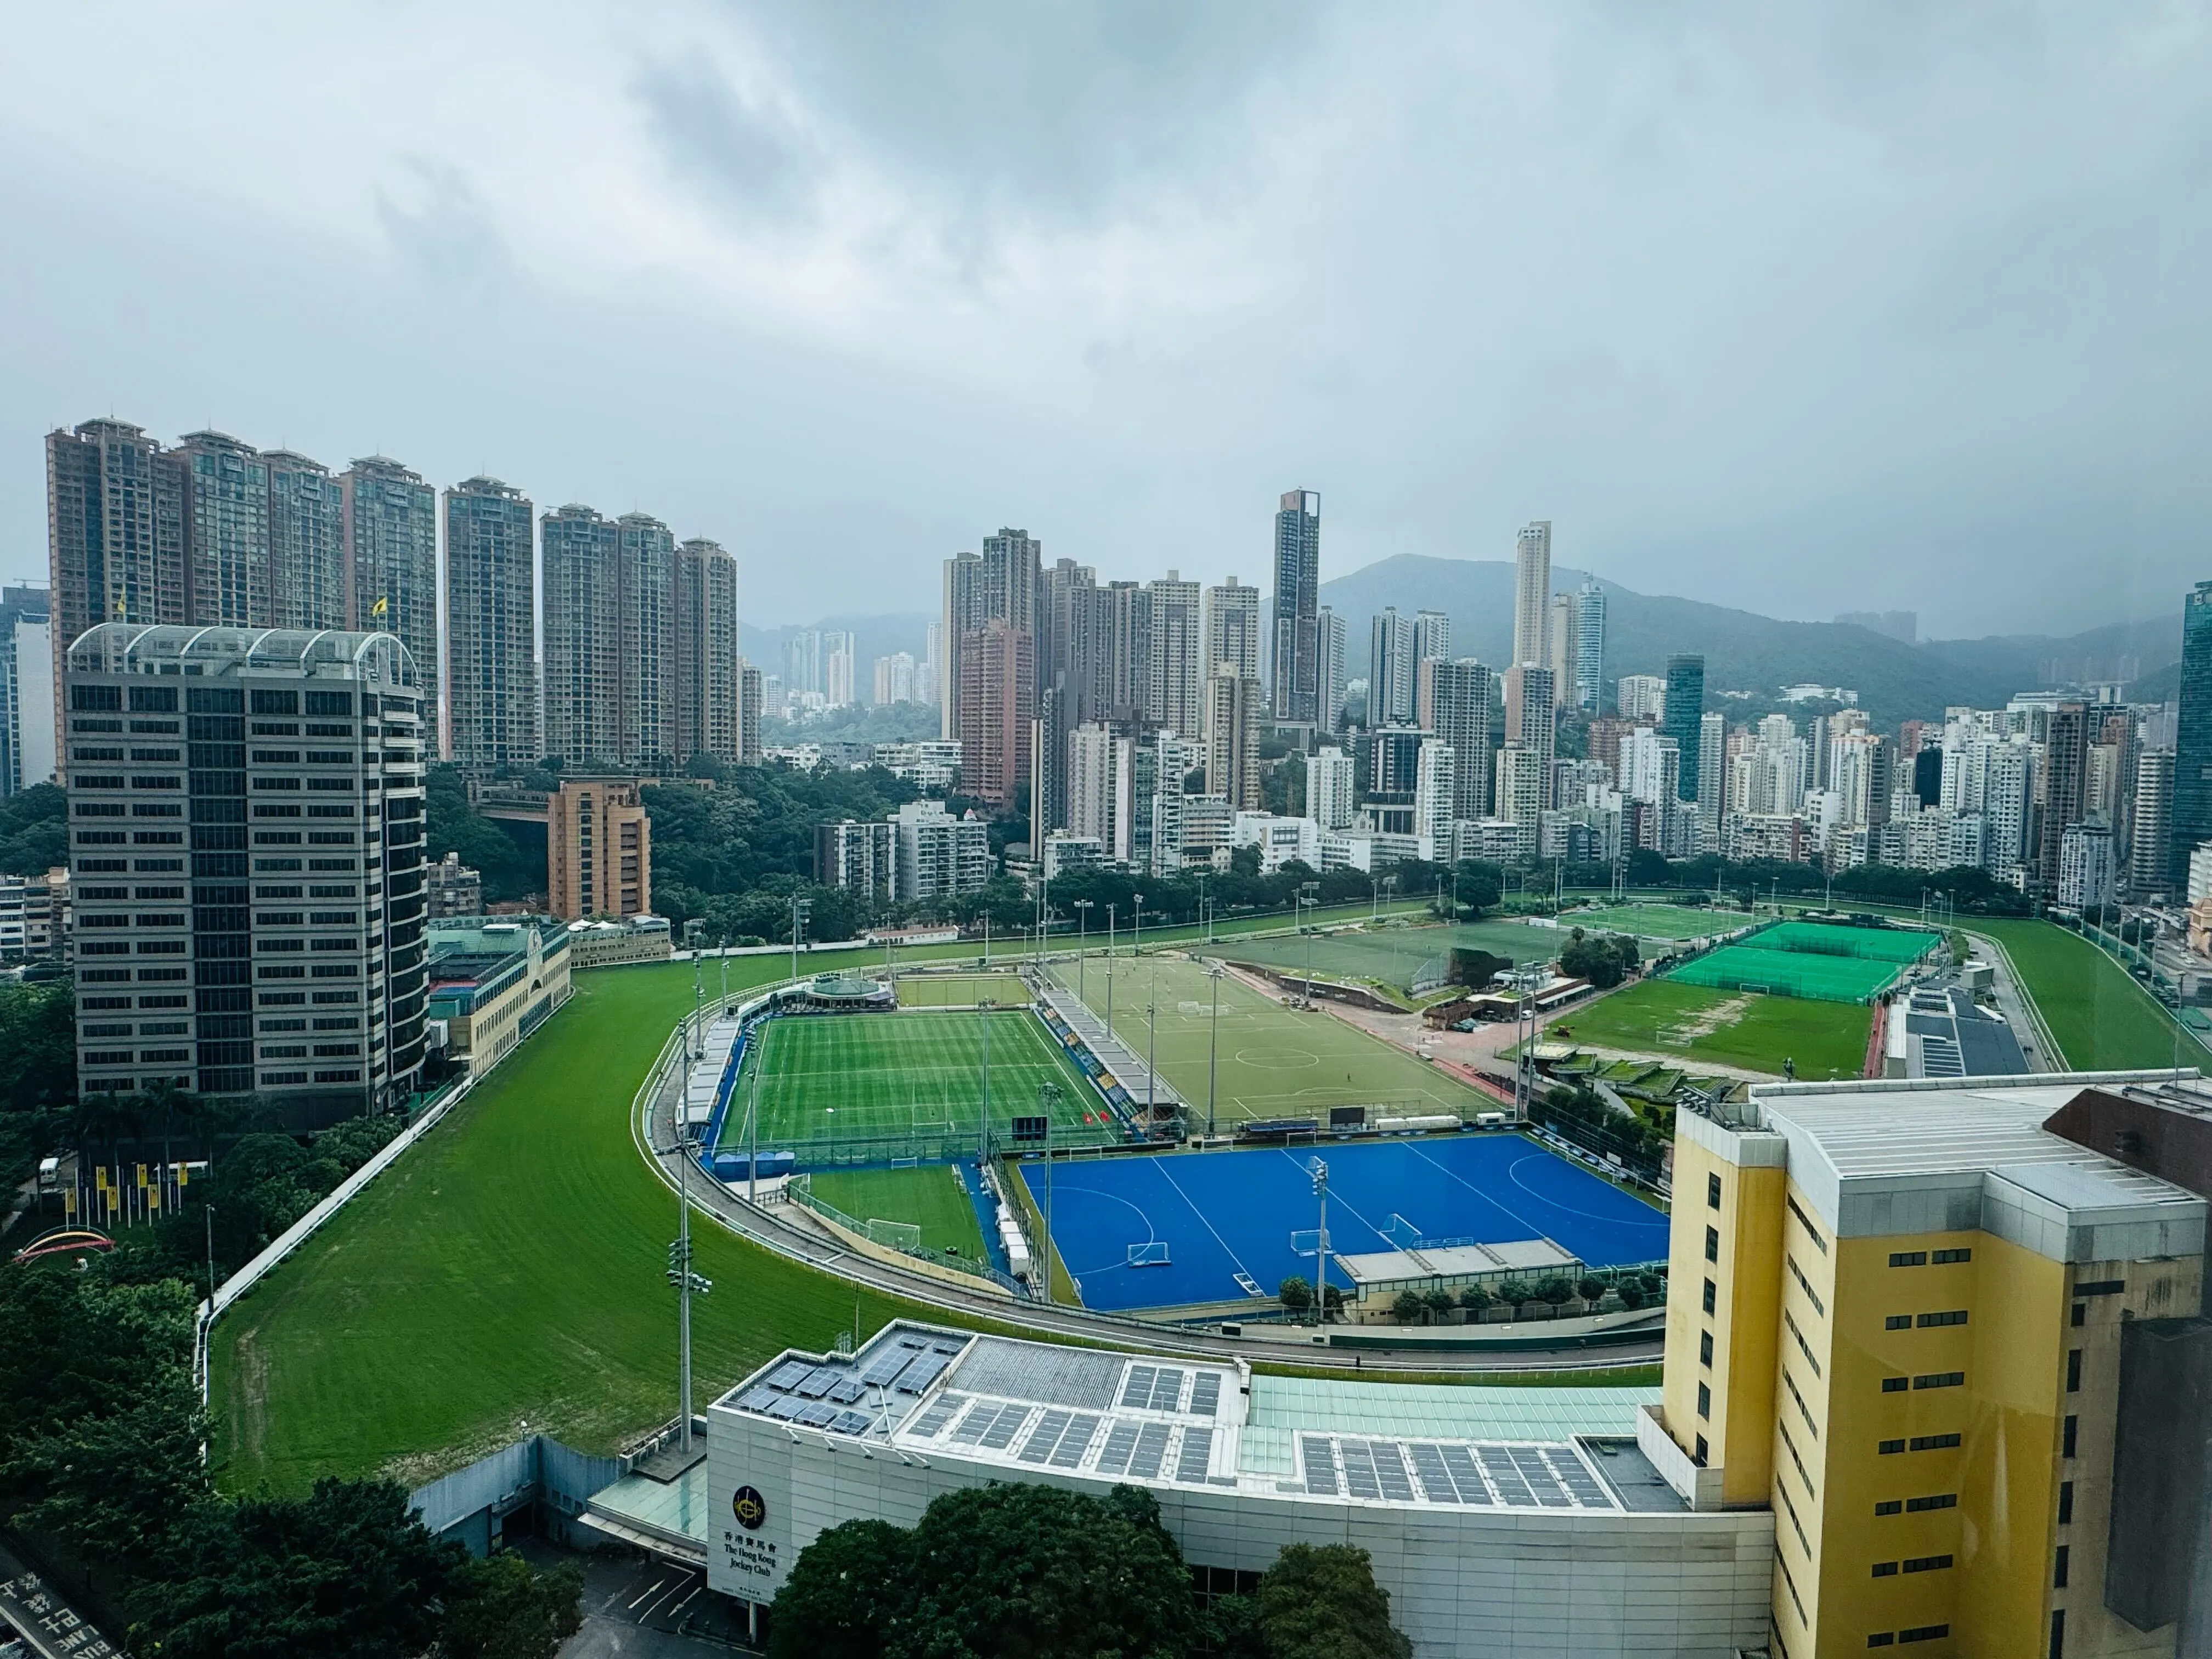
x=1657, y=921
x=1666, y=1018
x=1393, y=955
x=929, y=1196
x=1809, y=959
x=962, y=990
x=1274, y=1062
x=859, y=1088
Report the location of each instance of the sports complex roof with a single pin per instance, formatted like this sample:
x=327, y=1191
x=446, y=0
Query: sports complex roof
x=996, y=1403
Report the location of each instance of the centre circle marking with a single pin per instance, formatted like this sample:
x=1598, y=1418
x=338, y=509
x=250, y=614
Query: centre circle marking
x=1276, y=1059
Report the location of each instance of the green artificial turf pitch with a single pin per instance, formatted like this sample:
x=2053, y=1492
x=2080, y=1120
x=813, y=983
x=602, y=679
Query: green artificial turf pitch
x=1274, y=1061
x=1898, y=944
x=1657, y=921
x=929, y=1196
x=1804, y=974
x=962, y=990
x=1668, y=1020
x=1392, y=956
x=849, y=1085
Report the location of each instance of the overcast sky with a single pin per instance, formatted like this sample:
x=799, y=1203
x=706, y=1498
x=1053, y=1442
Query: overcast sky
x=1796, y=308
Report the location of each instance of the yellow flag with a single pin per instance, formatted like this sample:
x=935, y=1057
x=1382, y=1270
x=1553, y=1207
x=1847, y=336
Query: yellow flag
x=381, y=608
x=120, y=608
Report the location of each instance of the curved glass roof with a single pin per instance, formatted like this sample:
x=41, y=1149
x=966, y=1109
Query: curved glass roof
x=138, y=648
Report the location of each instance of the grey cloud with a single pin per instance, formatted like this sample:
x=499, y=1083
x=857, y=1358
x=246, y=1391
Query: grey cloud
x=440, y=224
x=747, y=157
x=1051, y=113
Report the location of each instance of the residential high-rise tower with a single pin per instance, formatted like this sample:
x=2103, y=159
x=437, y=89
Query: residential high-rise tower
x=706, y=663
x=492, y=590
x=391, y=579
x=1684, y=719
x=1297, y=686
x=1532, y=594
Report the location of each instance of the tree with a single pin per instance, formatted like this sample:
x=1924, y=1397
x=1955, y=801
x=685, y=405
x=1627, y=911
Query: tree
x=1590, y=1287
x=35, y=831
x=1322, y=1602
x=1407, y=1308
x=1477, y=885
x=1601, y=959
x=845, y=1593
x=349, y=1571
x=1295, y=1293
x=503, y=1607
x=1438, y=1301
x=452, y=826
x=1554, y=1290
x=1514, y=1291
x=1477, y=1298
x=100, y=1425
x=999, y=1570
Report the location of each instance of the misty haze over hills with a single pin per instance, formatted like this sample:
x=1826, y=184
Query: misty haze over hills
x=1743, y=651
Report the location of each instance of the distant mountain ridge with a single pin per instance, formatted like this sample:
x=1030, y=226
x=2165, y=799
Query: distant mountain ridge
x=1746, y=651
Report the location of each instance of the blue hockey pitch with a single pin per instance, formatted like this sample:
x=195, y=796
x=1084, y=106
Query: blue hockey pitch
x=1223, y=1215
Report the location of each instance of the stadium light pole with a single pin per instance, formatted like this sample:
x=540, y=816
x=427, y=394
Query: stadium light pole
x=983, y=1007
x=1109, y=969
x=695, y=1049
x=1083, y=908
x=1319, y=1171
x=209, y=1210
x=799, y=907
x=1214, y=971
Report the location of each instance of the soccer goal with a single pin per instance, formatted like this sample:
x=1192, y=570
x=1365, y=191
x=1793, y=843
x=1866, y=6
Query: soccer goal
x=1308, y=1241
x=899, y=1234
x=1152, y=1255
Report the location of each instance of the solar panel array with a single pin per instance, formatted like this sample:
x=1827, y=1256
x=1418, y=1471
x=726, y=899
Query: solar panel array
x=1206, y=1395
x=1511, y=1476
x=810, y=1396
x=1155, y=1388
x=1060, y=1439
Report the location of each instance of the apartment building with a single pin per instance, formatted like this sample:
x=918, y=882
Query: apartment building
x=599, y=849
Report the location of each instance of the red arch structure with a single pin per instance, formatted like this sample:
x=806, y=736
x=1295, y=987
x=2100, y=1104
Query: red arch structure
x=64, y=1240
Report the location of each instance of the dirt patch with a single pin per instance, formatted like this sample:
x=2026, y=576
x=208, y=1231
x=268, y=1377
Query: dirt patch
x=1700, y=1025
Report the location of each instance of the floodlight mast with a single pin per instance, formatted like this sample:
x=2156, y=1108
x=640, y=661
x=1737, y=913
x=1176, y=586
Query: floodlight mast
x=1319, y=1170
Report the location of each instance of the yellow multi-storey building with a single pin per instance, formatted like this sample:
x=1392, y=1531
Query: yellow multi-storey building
x=1948, y=1332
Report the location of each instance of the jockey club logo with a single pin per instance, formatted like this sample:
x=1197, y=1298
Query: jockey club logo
x=749, y=1507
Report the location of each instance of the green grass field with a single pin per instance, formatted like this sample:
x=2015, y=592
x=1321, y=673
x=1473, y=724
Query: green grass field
x=841, y=1084
x=1393, y=955
x=1274, y=1061
x=929, y=1196
x=1666, y=1018
x=2102, y=1018
x=962, y=990
x=507, y=1270
x=1656, y=922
